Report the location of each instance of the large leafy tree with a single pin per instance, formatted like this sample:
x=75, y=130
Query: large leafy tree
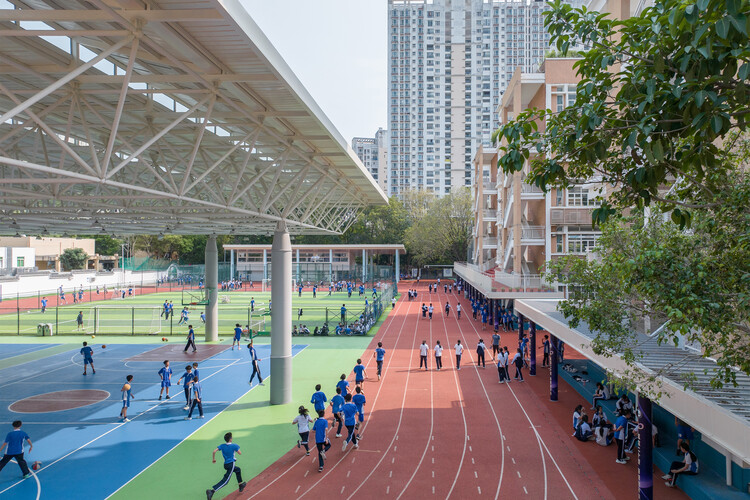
x=73, y=258
x=440, y=233
x=661, y=116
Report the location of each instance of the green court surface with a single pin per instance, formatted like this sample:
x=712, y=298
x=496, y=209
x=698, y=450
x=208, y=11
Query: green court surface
x=264, y=432
x=141, y=315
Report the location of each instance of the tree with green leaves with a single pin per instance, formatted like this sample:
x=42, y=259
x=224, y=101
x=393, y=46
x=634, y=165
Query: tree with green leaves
x=73, y=258
x=660, y=116
x=442, y=232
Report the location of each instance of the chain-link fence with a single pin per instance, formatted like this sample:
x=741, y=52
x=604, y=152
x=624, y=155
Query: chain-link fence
x=29, y=316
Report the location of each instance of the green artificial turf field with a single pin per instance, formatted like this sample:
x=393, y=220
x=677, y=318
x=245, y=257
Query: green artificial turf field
x=141, y=315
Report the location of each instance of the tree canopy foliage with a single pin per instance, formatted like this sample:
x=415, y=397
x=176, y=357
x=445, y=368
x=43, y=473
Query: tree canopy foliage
x=661, y=116
x=73, y=258
x=440, y=234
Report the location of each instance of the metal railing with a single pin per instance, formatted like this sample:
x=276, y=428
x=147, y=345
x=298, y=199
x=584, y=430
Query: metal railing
x=489, y=241
x=530, y=189
x=525, y=282
x=532, y=233
x=489, y=213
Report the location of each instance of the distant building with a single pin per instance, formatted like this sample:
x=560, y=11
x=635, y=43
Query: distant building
x=449, y=63
x=44, y=253
x=373, y=152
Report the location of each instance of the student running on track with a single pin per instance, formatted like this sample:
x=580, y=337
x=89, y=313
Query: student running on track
x=227, y=449
x=359, y=401
x=303, y=422
x=319, y=399
x=379, y=355
x=343, y=385
x=320, y=427
x=359, y=374
x=350, y=420
x=337, y=405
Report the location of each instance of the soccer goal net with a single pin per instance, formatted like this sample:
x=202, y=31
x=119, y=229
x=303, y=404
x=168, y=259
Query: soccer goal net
x=103, y=320
x=265, y=285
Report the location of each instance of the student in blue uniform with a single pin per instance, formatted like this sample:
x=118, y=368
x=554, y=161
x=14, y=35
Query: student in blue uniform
x=190, y=338
x=165, y=373
x=197, y=398
x=359, y=374
x=379, y=355
x=337, y=404
x=343, y=313
x=88, y=357
x=350, y=419
x=343, y=385
x=203, y=317
x=44, y=304
x=252, y=304
x=14, y=443
x=79, y=320
x=255, y=361
x=359, y=401
x=227, y=449
x=237, y=335
x=320, y=427
x=127, y=394
x=318, y=399
x=186, y=378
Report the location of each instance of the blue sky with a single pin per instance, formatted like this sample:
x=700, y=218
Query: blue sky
x=338, y=49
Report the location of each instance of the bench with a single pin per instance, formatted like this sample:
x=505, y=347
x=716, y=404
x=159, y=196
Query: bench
x=708, y=484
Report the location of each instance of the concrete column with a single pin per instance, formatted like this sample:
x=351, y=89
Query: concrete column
x=212, y=290
x=532, y=348
x=398, y=267
x=231, y=264
x=364, y=265
x=299, y=276
x=520, y=326
x=553, y=368
x=265, y=264
x=330, y=265
x=645, y=450
x=281, y=319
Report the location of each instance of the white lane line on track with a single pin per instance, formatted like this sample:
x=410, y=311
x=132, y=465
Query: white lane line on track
x=487, y=396
x=377, y=395
x=432, y=429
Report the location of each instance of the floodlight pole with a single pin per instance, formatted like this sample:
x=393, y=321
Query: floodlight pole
x=212, y=290
x=281, y=316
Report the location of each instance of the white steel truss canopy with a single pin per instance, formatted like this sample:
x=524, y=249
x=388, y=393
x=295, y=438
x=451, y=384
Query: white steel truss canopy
x=125, y=116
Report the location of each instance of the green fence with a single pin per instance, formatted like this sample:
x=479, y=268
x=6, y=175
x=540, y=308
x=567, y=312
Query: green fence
x=108, y=318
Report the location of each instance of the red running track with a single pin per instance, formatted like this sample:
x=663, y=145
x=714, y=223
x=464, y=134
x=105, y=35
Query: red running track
x=453, y=434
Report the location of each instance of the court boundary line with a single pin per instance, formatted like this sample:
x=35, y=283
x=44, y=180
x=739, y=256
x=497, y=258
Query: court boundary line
x=38, y=483
x=109, y=431
x=199, y=428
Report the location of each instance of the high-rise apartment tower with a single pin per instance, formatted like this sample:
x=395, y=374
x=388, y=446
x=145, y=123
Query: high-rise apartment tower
x=449, y=62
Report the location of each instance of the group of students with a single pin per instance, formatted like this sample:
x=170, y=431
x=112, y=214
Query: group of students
x=624, y=432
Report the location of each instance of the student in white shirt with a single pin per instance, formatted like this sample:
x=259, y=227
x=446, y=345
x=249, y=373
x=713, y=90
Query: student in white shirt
x=303, y=422
x=689, y=466
x=438, y=355
x=459, y=350
x=423, y=350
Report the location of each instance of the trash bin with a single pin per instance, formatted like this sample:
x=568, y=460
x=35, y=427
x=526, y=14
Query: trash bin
x=44, y=329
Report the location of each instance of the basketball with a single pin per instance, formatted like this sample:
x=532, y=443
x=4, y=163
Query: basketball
x=163, y=339
x=104, y=346
x=36, y=465
x=126, y=387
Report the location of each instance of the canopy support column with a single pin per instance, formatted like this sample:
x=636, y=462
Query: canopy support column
x=553, y=368
x=281, y=318
x=212, y=290
x=645, y=450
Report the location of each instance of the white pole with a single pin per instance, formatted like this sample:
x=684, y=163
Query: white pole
x=281, y=317
x=212, y=290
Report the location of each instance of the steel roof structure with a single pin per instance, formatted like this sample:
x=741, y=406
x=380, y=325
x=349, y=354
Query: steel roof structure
x=162, y=116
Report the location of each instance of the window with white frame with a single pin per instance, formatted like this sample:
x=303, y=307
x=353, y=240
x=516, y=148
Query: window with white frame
x=581, y=197
x=581, y=243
